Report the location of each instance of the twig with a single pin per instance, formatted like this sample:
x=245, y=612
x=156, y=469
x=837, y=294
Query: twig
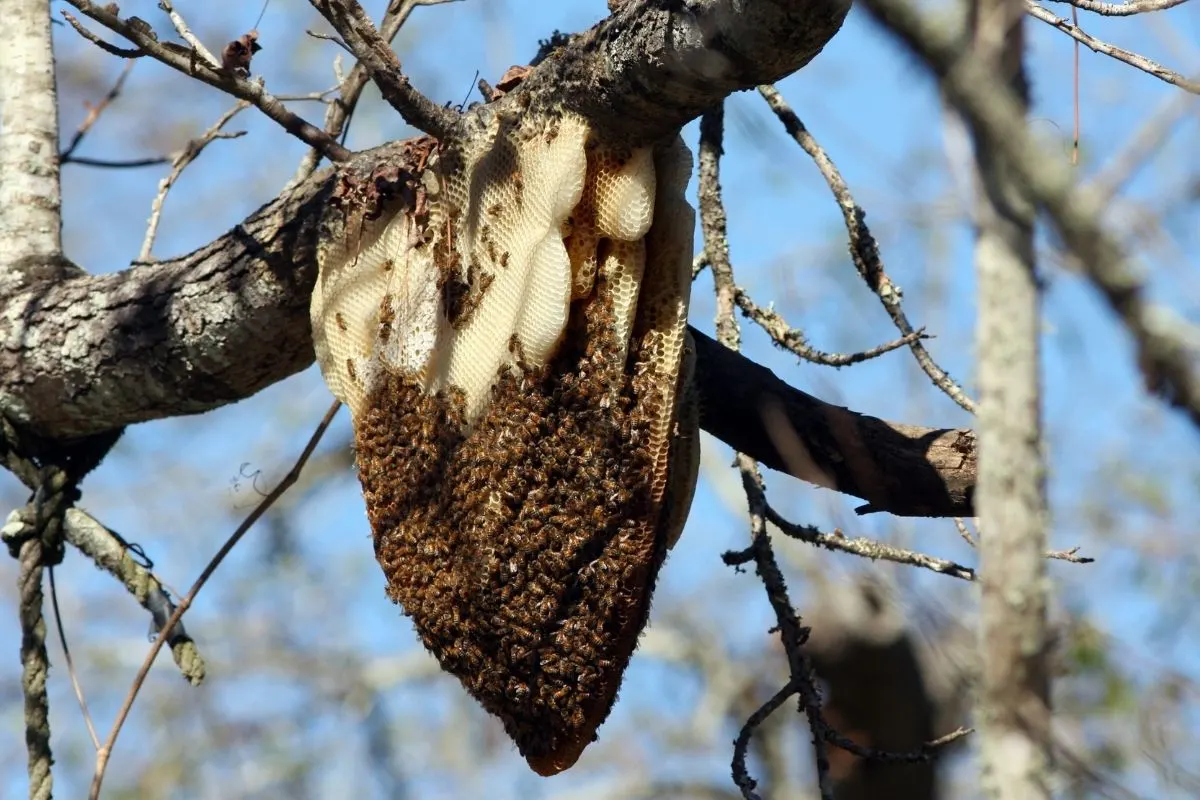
x=1141, y=146
x=105, y=752
x=964, y=531
x=227, y=81
x=134, y=163
x=186, y=34
x=741, y=745
x=793, y=340
x=864, y=250
x=699, y=263
x=352, y=23
x=1122, y=9
x=181, y=161
x=338, y=115
x=329, y=37
x=791, y=633
x=1166, y=343
x=75, y=685
x=94, y=113
x=1104, y=48
x=111, y=49
x=1069, y=555
x=869, y=548
x=111, y=553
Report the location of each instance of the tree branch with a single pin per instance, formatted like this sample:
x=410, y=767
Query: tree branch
x=196, y=332
x=192, y=63
x=1166, y=344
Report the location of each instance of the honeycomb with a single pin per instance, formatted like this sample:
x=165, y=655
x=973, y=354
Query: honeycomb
x=513, y=349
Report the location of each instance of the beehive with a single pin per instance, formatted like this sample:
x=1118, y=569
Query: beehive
x=511, y=341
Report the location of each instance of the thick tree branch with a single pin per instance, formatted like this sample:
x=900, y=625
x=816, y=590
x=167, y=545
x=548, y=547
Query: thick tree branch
x=653, y=66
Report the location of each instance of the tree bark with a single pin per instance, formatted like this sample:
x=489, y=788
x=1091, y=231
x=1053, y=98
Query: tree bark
x=1014, y=700
x=30, y=192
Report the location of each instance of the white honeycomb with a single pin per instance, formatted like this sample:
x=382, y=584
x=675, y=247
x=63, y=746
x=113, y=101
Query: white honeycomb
x=527, y=218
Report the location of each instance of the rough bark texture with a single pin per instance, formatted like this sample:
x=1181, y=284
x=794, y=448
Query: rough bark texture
x=1014, y=698
x=653, y=66
x=30, y=195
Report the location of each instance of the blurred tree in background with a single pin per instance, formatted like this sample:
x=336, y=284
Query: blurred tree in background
x=316, y=685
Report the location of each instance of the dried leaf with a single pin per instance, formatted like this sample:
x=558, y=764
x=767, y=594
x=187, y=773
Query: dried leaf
x=237, y=54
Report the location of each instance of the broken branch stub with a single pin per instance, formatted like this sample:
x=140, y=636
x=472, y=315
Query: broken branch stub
x=506, y=317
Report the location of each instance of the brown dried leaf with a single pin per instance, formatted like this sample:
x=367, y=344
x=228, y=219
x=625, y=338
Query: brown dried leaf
x=237, y=54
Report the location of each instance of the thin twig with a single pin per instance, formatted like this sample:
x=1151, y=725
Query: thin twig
x=792, y=634
x=111, y=49
x=134, y=163
x=964, y=531
x=1104, y=48
x=869, y=548
x=1122, y=9
x=227, y=81
x=1140, y=147
x=186, y=34
x=105, y=752
x=181, y=161
x=94, y=113
x=1069, y=555
x=358, y=32
x=337, y=117
x=864, y=250
x=792, y=339
x=741, y=745
x=75, y=685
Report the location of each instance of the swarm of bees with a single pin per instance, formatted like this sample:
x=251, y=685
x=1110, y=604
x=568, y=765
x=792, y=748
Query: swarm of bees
x=505, y=317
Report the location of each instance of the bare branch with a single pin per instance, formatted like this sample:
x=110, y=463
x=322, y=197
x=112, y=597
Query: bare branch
x=105, y=752
x=792, y=339
x=348, y=19
x=1141, y=146
x=1122, y=9
x=741, y=745
x=111, y=49
x=337, y=117
x=111, y=553
x=864, y=250
x=94, y=113
x=227, y=81
x=186, y=34
x=1104, y=48
x=1167, y=348
x=869, y=548
x=186, y=156
x=791, y=633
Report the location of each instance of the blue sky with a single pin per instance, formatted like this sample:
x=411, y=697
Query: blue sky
x=878, y=115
